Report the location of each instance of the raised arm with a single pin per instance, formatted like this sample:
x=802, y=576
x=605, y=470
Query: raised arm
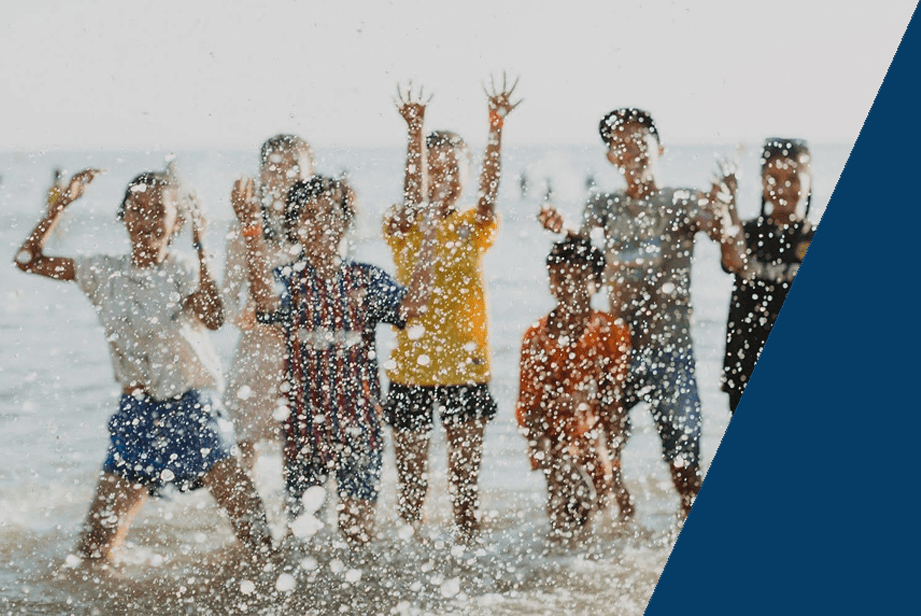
x=720, y=220
x=247, y=211
x=412, y=109
x=206, y=302
x=423, y=279
x=30, y=257
x=500, y=106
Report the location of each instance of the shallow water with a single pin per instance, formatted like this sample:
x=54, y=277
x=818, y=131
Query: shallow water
x=56, y=394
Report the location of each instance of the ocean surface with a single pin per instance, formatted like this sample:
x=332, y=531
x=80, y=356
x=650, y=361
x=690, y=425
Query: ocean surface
x=57, y=392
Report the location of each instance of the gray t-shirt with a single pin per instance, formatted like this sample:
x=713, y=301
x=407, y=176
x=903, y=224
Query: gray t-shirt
x=152, y=339
x=649, y=245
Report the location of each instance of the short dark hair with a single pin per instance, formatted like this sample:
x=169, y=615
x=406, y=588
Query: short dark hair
x=147, y=179
x=448, y=139
x=312, y=188
x=621, y=116
x=577, y=250
x=284, y=142
x=795, y=149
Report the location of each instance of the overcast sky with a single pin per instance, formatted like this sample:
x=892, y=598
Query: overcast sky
x=181, y=75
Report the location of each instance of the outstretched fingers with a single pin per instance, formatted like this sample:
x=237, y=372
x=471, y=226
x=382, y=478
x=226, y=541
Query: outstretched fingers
x=411, y=105
x=500, y=100
x=79, y=182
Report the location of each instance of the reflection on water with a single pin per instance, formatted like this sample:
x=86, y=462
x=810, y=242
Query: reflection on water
x=180, y=558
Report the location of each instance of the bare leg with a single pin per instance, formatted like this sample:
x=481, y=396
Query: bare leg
x=616, y=427
x=412, y=453
x=114, y=507
x=571, y=498
x=621, y=495
x=234, y=491
x=465, y=453
x=356, y=520
x=687, y=481
x=248, y=454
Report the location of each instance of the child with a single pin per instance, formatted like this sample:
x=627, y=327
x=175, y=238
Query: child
x=573, y=364
x=443, y=359
x=328, y=309
x=154, y=308
x=252, y=397
x=649, y=244
x=777, y=242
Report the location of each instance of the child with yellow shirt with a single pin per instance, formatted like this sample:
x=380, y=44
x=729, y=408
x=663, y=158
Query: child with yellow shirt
x=442, y=357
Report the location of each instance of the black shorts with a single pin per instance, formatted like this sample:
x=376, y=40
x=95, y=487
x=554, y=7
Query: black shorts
x=411, y=407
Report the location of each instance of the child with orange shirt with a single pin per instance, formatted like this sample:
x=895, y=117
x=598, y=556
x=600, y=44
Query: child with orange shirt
x=573, y=364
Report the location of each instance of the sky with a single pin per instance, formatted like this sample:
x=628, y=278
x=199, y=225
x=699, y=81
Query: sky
x=199, y=75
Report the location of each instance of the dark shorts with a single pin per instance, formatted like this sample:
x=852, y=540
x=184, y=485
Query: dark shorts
x=411, y=407
x=357, y=473
x=175, y=441
x=667, y=382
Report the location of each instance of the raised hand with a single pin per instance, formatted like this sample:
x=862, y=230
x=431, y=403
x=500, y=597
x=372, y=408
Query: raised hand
x=412, y=107
x=722, y=196
x=500, y=101
x=77, y=186
x=725, y=175
x=550, y=219
x=243, y=198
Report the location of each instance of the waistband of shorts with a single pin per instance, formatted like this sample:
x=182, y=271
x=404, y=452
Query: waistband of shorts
x=141, y=395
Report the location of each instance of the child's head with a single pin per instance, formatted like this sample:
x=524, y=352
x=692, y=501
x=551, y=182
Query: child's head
x=785, y=175
x=319, y=212
x=283, y=160
x=152, y=211
x=448, y=159
x=632, y=138
x=576, y=269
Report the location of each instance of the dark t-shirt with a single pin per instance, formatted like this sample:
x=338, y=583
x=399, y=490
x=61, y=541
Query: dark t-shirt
x=776, y=254
x=649, y=246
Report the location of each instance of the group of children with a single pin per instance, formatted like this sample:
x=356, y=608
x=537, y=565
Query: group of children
x=305, y=370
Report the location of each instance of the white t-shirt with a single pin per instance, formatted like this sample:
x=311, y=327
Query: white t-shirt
x=152, y=339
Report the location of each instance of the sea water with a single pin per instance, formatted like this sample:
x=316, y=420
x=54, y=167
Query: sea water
x=56, y=394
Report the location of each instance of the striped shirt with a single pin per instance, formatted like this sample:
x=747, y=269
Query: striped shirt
x=332, y=383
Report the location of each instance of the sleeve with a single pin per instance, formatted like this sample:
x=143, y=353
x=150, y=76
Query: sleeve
x=529, y=378
x=596, y=212
x=384, y=297
x=282, y=279
x=186, y=275
x=487, y=230
x=89, y=272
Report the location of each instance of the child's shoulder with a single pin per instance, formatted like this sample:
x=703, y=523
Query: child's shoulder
x=368, y=271
x=606, y=199
x=607, y=325
x=182, y=261
x=471, y=216
x=678, y=196
x=537, y=328
x=100, y=264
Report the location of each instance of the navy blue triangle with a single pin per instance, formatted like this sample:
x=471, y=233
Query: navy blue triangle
x=807, y=506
